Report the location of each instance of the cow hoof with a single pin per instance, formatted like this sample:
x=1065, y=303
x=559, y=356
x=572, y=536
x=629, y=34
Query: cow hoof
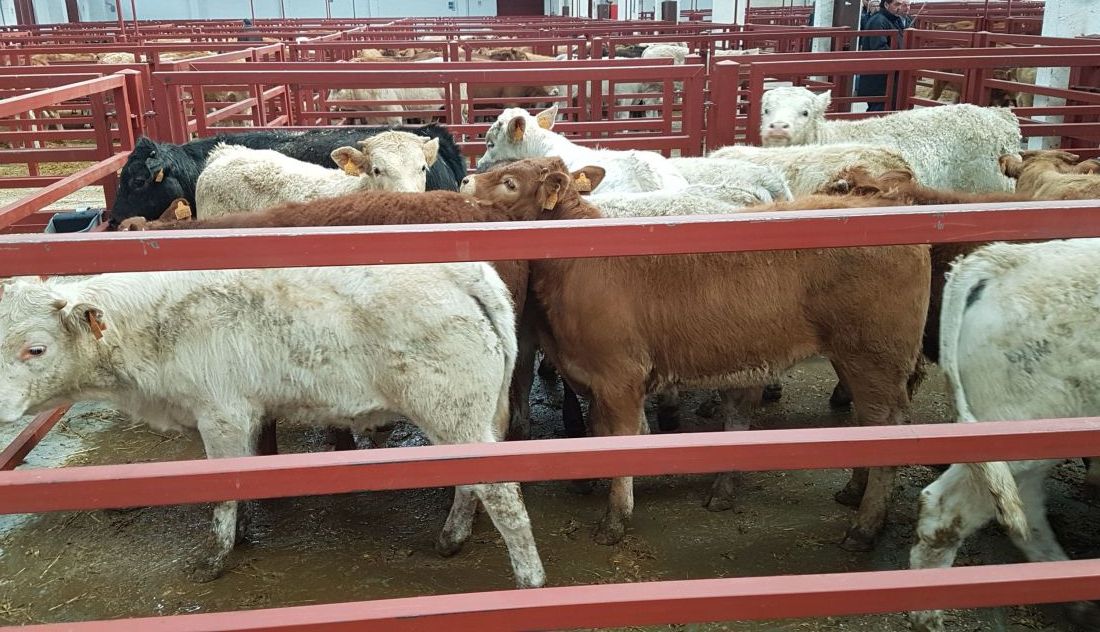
x=772, y=393
x=668, y=420
x=583, y=486
x=849, y=497
x=446, y=547
x=204, y=569
x=926, y=621
x=1084, y=614
x=718, y=503
x=611, y=530
x=517, y=433
x=857, y=542
x=840, y=398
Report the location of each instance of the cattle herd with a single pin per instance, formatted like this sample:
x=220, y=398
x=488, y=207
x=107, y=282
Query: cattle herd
x=453, y=347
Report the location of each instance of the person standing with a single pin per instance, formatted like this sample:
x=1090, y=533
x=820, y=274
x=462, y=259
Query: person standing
x=889, y=17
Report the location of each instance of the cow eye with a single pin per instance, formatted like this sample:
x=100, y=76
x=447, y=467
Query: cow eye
x=489, y=144
x=510, y=183
x=767, y=111
x=377, y=171
x=805, y=112
x=424, y=168
x=32, y=351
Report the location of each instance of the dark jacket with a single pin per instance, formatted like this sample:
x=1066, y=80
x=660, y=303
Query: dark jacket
x=882, y=20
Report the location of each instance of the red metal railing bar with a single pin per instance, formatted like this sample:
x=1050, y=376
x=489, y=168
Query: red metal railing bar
x=24, y=442
x=183, y=482
x=650, y=603
x=363, y=245
x=19, y=209
x=54, y=96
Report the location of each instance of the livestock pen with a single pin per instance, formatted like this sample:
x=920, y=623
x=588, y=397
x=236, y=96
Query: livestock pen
x=687, y=128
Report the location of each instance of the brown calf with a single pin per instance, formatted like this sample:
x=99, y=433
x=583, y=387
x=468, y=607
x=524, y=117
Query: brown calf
x=616, y=328
x=1052, y=175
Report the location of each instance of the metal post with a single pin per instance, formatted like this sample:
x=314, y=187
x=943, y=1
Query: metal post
x=328, y=9
x=121, y=21
x=252, y=9
x=133, y=16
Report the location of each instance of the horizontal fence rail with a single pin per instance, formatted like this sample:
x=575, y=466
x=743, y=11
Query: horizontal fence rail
x=249, y=478
x=663, y=602
x=428, y=243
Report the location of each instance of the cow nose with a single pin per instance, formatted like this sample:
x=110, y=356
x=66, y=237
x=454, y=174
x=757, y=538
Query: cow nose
x=780, y=125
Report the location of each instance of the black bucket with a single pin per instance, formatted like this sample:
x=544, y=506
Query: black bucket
x=78, y=221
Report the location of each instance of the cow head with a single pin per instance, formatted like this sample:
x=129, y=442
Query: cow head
x=47, y=339
x=148, y=183
x=514, y=135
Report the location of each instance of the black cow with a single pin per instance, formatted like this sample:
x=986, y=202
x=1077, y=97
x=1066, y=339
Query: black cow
x=155, y=174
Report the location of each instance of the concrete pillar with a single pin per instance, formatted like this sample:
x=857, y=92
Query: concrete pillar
x=823, y=17
x=1062, y=18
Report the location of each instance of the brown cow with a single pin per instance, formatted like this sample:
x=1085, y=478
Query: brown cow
x=1052, y=175
x=617, y=329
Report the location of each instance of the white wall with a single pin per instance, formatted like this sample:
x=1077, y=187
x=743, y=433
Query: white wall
x=100, y=10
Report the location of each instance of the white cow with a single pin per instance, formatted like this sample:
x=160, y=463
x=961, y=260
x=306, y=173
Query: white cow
x=516, y=135
x=219, y=351
x=1018, y=340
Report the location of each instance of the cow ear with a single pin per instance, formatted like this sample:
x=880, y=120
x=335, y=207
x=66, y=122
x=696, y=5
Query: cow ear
x=547, y=117
x=431, y=150
x=1088, y=167
x=351, y=160
x=1011, y=165
x=81, y=318
x=586, y=179
x=517, y=127
x=823, y=100
x=554, y=184
x=145, y=143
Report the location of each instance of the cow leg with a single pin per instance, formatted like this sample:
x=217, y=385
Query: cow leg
x=618, y=412
x=875, y=406
x=736, y=408
x=224, y=434
x=460, y=522
x=268, y=443
x=668, y=410
x=340, y=438
x=852, y=494
x=573, y=419
x=772, y=392
x=951, y=508
x=1041, y=545
x=504, y=504
x=547, y=370
x=519, y=393
x=842, y=395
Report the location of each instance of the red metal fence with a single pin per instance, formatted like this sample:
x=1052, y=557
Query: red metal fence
x=581, y=606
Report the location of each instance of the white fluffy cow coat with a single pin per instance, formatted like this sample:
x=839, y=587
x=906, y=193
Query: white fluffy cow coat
x=809, y=168
x=219, y=351
x=949, y=147
x=516, y=135
x=1018, y=340
x=238, y=179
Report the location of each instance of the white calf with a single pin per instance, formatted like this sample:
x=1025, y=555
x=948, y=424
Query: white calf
x=219, y=351
x=1017, y=341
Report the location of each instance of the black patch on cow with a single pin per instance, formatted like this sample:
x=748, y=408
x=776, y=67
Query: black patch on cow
x=140, y=194
x=975, y=293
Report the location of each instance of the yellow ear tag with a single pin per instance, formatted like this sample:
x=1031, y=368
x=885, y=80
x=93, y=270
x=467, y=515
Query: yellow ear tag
x=551, y=202
x=97, y=327
x=582, y=184
x=182, y=210
x=160, y=176
x=351, y=168
x=544, y=122
x=517, y=134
